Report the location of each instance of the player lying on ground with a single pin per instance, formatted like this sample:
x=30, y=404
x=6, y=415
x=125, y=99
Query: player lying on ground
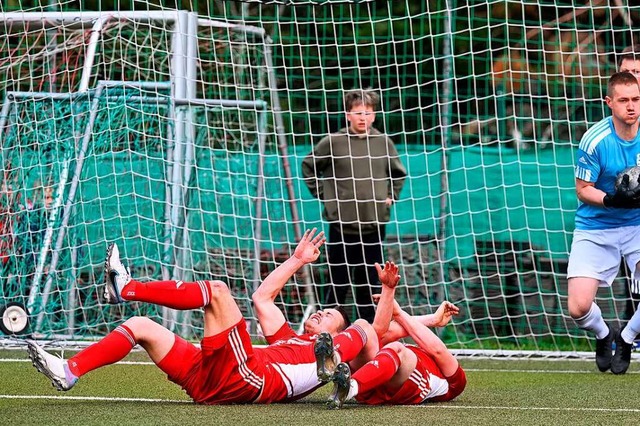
x=402, y=373
x=227, y=368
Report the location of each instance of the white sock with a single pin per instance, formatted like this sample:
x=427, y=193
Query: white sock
x=594, y=322
x=632, y=329
x=353, y=389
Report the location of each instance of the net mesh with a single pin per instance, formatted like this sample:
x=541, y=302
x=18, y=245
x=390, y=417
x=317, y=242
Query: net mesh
x=485, y=101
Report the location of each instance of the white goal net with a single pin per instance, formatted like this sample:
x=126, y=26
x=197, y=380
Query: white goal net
x=179, y=135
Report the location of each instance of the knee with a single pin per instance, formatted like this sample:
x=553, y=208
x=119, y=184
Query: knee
x=367, y=328
x=578, y=307
x=218, y=289
x=396, y=347
x=135, y=323
x=581, y=294
x=364, y=325
x=404, y=354
x=140, y=326
x=577, y=311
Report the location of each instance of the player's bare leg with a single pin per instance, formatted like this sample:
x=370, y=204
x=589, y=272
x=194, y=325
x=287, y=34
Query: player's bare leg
x=222, y=312
x=408, y=362
x=587, y=315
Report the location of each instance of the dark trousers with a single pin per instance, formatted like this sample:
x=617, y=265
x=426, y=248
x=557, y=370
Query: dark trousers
x=351, y=265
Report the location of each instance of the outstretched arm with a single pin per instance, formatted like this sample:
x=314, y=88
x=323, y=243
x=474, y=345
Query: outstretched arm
x=389, y=279
x=269, y=315
x=440, y=318
x=429, y=342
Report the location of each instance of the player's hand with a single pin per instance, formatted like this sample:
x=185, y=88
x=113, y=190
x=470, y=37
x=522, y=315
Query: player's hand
x=624, y=197
x=444, y=313
x=389, y=275
x=308, y=248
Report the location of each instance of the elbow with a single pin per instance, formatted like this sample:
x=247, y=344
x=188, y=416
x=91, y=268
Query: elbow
x=581, y=196
x=258, y=297
x=380, y=331
x=437, y=350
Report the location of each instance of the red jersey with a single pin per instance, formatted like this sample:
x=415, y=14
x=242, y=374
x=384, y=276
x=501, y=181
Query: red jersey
x=426, y=383
x=229, y=370
x=289, y=366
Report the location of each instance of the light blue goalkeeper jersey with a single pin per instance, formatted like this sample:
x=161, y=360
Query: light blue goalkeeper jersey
x=601, y=156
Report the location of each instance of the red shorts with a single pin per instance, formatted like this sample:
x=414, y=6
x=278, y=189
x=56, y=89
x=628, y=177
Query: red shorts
x=426, y=383
x=224, y=371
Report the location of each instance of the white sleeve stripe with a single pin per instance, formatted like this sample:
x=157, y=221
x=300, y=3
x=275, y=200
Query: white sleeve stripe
x=584, y=174
x=597, y=140
x=594, y=136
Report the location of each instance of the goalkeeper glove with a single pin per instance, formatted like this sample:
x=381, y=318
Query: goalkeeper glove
x=624, y=197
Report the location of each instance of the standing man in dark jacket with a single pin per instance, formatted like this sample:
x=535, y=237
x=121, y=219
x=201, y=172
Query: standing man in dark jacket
x=358, y=175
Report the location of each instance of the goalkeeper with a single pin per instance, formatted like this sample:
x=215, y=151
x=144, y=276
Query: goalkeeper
x=607, y=221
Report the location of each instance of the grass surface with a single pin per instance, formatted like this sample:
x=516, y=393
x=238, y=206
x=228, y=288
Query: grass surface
x=499, y=392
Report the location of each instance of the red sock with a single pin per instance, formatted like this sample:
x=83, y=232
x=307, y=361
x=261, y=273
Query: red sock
x=172, y=294
x=115, y=346
x=350, y=342
x=377, y=371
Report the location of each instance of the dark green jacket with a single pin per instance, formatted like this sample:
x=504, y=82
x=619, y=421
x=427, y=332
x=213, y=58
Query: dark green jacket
x=353, y=175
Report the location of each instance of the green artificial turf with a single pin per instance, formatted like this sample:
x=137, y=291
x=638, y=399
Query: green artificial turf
x=499, y=392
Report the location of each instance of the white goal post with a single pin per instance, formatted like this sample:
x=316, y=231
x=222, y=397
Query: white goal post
x=177, y=102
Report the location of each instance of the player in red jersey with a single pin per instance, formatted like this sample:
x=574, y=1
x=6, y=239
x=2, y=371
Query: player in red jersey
x=401, y=373
x=227, y=368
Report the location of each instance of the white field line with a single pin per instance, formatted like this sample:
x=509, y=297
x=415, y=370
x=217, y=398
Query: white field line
x=427, y=406
x=119, y=362
x=478, y=370
x=94, y=398
x=488, y=407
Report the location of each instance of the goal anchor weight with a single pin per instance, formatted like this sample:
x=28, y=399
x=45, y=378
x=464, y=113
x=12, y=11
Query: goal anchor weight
x=14, y=319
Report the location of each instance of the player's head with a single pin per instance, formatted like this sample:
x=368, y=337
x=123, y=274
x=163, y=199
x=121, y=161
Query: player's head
x=623, y=97
x=331, y=320
x=360, y=106
x=629, y=60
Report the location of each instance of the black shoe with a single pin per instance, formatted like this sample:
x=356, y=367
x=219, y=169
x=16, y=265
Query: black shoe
x=622, y=356
x=603, y=352
x=341, y=386
x=325, y=357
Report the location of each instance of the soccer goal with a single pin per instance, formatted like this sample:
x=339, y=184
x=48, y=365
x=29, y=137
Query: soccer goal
x=179, y=135
x=152, y=130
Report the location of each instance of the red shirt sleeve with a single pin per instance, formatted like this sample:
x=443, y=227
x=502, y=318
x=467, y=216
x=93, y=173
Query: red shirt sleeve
x=284, y=333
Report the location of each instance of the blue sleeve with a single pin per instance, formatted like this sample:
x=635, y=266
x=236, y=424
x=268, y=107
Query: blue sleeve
x=588, y=165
